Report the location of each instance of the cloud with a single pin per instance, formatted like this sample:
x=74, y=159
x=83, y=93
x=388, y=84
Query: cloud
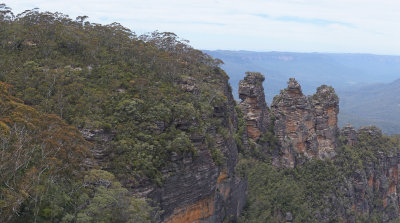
x=313, y=21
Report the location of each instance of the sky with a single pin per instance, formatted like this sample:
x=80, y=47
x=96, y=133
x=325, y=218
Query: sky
x=338, y=26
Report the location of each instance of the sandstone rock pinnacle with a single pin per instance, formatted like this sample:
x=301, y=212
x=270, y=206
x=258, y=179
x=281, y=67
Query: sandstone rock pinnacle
x=253, y=104
x=325, y=105
x=305, y=126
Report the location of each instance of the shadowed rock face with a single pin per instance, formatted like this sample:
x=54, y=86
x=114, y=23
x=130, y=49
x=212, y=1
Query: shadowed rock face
x=350, y=135
x=253, y=104
x=372, y=188
x=199, y=190
x=305, y=126
x=195, y=188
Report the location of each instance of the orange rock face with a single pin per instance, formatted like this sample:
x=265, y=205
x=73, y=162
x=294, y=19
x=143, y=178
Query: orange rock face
x=332, y=116
x=222, y=176
x=252, y=131
x=197, y=188
x=371, y=180
x=203, y=210
x=306, y=125
x=193, y=213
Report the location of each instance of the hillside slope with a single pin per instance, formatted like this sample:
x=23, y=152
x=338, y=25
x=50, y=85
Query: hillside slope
x=159, y=114
x=45, y=176
x=377, y=104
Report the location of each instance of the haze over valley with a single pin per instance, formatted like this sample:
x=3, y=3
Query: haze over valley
x=363, y=82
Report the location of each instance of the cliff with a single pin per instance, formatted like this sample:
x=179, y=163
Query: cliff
x=200, y=186
x=204, y=188
x=371, y=190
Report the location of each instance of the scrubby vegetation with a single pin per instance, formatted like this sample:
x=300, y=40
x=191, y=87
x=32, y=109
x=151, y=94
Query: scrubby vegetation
x=44, y=173
x=152, y=93
x=314, y=189
x=105, y=77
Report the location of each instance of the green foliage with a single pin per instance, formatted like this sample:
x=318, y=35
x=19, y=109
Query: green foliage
x=306, y=191
x=97, y=77
x=269, y=141
x=110, y=202
x=106, y=77
x=42, y=163
x=218, y=157
x=365, y=151
x=274, y=192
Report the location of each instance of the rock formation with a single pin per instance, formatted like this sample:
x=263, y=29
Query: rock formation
x=325, y=106
x=294, y=124
x=305, y=126
x=196, y=189
x=253, y=105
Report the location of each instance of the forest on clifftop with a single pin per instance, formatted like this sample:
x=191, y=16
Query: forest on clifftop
x=93, y=76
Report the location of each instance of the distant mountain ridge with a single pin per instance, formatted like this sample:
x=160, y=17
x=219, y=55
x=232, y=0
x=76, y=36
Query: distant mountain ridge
x=377, y=104
x=354, y=76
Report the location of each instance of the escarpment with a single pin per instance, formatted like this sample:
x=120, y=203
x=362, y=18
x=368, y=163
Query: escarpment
x=205, y=188
x=364, y=162
x=371, y=187
x=199, y=185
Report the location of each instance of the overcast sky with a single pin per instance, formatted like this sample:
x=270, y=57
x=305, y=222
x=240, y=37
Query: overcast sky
x=358, y=26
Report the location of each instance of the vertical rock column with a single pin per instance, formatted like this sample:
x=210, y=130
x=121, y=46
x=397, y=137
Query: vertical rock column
x=325, y=105
x=294, y=124
x=253, y=104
